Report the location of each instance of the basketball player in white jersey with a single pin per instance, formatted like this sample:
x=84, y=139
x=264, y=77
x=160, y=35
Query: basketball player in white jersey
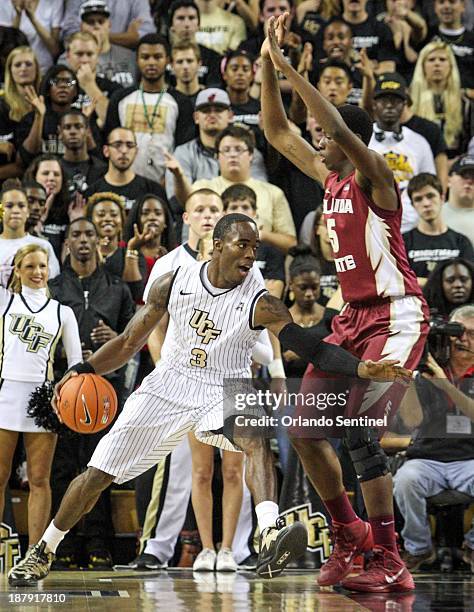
x=31, y=325
x=218, y=309
x=170, y=496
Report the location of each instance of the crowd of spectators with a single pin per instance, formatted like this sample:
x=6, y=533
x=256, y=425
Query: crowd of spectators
x=113, y=113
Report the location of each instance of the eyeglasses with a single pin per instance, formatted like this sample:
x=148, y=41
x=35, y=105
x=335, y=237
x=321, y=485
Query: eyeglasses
x=59, y=81
x=120, y=145
x=229, y=150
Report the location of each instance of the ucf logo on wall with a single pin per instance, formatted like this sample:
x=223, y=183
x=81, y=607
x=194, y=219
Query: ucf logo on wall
x=317, y=526
x=9, y=548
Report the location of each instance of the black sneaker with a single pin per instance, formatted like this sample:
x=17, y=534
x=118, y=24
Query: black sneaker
x=145, y=561
x=34, y=567
x=100, y=560
x=66, y=561
x=250, y=563
x=279, y=545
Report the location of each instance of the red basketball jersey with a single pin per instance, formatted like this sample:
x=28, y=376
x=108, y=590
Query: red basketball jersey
x=370, y=257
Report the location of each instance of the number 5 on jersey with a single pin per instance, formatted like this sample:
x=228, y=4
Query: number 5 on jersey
x=333, y=239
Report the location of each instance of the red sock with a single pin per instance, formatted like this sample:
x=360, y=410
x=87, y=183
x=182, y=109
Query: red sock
x=383, y=529
x=340, y=509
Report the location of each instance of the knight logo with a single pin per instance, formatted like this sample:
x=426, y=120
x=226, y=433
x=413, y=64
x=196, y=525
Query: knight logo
x=388, y=408
x=9, y=548
x=316, y=525
x=106, y=410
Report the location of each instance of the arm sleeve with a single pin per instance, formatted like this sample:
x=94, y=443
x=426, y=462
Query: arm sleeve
x=465, y=248
x=262, y=351
x=70, y=336
x=326, y=357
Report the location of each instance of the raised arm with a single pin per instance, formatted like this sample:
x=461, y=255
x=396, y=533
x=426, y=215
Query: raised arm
x=372, y=172
x=277, y=128
x=271, y=313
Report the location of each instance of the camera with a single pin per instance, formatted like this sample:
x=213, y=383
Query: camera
x=438, y=341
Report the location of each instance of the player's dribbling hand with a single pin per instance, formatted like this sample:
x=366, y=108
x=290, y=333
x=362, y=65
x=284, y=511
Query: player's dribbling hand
x=57, y=391
x=386, y=370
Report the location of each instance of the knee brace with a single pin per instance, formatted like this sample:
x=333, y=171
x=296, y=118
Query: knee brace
x=368, y=458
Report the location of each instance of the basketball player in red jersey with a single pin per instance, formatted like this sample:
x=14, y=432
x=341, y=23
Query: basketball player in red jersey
x=385, y=314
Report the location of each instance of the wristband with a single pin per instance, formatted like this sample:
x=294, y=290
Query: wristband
x=132, y=253
x=82, y=368
x=276, y=369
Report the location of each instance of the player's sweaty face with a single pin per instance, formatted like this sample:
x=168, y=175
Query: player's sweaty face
x=239, y=249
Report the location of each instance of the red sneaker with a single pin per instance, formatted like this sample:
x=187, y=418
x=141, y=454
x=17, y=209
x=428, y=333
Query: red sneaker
x=385, y=573
x=349, y=540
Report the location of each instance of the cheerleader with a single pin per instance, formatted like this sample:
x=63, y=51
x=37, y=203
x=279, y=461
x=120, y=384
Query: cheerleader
x=31, y=324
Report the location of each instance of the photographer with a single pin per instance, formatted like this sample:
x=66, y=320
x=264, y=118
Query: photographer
x=441, y=455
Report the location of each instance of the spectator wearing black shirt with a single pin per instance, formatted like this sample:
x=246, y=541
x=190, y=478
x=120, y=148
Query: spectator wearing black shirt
x=431, y=241
x=237, y=74
x=37, y=132
x=103, y=306
x=370, y=34
x=22, y=73
x=185, y=61
x=47, y=170
x=107, y=213
x=441, y=456
x=121, y=151
x=461, y=40
x=184, y=19
x=80, y=168
x=451, y=284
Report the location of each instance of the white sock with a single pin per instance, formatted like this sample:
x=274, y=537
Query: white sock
x=53, y=537
x=267, y=514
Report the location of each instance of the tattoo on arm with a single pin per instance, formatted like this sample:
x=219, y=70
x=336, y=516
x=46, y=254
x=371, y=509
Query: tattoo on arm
x=272, y=313
x=147, y=317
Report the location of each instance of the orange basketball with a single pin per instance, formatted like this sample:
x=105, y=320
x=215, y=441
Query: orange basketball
x=87, y=403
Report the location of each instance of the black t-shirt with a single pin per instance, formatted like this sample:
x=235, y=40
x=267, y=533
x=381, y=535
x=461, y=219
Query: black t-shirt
x=82, y=174
x=132, y=192
x=429, y=130
x=433, y=440
x=462, y=46
x=50, y=137
x=376, y=38
x=311, y=26
x=115, y=265
x=271, y=262
x=425, y=252
x=248, y=115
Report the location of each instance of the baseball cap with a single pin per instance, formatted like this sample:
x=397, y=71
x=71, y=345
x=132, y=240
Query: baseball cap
x=94, y=6
x=465, y=162
x=391, y=83
x=212, y=97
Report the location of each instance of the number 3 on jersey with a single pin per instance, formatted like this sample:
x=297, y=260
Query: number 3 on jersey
x=199, y=358
x=333, y=239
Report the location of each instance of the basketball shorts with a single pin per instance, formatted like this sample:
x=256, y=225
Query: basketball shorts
x=391, y=329
x=156, y=417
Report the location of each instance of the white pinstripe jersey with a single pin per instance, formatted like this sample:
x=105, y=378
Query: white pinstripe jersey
x=213, y=334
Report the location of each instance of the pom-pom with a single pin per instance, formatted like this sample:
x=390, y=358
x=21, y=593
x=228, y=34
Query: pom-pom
x=40, y=409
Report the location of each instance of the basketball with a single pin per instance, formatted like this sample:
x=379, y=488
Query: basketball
x=87, y=403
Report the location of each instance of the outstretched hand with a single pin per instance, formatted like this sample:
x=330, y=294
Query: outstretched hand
x=384, y=371
x=280, y=30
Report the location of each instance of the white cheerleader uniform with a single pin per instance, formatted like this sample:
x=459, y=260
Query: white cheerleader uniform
x=31, y=325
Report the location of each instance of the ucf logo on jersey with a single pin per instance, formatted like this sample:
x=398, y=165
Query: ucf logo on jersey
x=204, y=327
x=29, y=332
